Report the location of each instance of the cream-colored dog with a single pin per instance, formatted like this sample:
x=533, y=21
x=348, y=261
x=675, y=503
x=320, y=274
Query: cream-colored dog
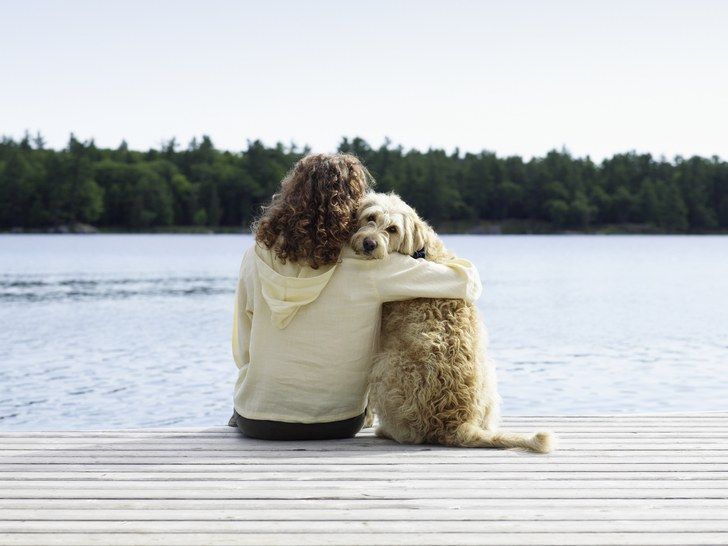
x=431, y=381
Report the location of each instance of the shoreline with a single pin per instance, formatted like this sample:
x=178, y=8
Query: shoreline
x=508, y=227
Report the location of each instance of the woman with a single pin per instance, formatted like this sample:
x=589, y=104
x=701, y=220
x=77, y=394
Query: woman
x=307, y=308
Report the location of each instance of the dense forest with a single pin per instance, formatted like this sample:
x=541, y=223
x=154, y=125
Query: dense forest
x=199, y=185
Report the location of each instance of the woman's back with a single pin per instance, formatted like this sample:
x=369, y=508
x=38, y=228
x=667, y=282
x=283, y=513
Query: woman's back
x=304, y=338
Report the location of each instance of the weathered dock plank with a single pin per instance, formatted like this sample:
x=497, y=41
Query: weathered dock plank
x=641, y=479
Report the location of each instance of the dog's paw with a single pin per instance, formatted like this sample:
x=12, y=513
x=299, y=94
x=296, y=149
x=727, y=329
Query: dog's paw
x=368, y=419
x=544, y=442
x=380, y=432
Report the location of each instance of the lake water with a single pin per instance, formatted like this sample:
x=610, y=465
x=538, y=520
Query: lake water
x=134, y=330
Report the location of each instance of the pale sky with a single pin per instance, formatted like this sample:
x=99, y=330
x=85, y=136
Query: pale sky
x=515, y=77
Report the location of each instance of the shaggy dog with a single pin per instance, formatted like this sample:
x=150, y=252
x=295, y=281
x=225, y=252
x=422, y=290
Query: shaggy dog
x=431, y=381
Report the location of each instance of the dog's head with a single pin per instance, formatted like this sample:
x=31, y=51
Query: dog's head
x=388, y=224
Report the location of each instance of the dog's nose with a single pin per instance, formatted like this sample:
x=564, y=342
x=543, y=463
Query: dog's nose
x=369, y=245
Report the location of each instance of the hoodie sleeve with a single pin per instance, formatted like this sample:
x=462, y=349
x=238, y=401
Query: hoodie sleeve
x=242, y=322
x=402, y=277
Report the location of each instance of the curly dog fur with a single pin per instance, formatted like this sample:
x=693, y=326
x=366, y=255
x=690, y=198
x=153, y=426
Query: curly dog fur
x=431, y=381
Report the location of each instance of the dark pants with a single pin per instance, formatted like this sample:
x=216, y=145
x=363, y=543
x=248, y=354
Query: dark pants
x=278, y=430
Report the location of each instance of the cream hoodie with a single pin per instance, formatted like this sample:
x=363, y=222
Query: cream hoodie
x=303, y=339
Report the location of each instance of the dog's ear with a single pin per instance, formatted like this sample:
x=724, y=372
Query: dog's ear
x=416, y=235
x=421, y=235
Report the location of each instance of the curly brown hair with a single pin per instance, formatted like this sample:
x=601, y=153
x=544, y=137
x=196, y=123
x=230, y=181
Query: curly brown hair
x=313, y=215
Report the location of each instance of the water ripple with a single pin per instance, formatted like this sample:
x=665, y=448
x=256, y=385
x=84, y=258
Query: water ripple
x=13, y=289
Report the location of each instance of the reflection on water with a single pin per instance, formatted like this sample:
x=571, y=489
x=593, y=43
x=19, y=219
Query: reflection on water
x=133, y=330
x=43, y=289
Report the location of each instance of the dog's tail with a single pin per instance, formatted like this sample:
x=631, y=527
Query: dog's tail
x=470, y=435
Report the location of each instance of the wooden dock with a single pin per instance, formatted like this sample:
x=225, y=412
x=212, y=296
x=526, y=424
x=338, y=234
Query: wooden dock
x=613, y=480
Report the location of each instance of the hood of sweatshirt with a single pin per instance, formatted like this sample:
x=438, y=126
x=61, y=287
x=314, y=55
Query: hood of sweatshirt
x=288, y=287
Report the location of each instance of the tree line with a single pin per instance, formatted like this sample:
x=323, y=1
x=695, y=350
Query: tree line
x=199, y=185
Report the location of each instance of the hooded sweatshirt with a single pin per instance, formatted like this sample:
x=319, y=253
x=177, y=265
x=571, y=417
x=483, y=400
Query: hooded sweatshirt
x=304, y=339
